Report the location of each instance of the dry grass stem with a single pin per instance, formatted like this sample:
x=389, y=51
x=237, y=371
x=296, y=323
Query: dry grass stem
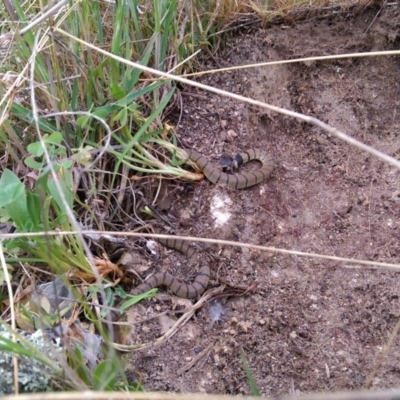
x=371, y=264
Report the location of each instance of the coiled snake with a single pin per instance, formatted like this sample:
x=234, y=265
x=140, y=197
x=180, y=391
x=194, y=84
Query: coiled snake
x=215, y=175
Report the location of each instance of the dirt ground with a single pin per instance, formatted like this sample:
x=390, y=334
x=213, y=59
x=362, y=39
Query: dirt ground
x=311, y=324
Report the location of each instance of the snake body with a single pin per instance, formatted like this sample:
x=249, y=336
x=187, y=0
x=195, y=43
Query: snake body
x=237, y=181
x=181, y=289
x=215, y=175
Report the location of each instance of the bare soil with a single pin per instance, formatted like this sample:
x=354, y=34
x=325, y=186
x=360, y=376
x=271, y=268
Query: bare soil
x=311, y=324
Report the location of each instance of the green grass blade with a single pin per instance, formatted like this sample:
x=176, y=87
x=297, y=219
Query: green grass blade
x=250, y=378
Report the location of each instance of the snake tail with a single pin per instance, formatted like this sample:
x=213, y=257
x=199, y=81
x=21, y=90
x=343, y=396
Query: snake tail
x=177, y=287
x=237, y=181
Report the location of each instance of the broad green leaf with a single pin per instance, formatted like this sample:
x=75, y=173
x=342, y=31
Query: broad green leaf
x=18, y=210
x=55, y=138
x=10, y=186
x=13, y=198
x=4, y=217
x=32, y=163
x=66, y=183
x=66, y=164
x=36, y=149
x=60, y=151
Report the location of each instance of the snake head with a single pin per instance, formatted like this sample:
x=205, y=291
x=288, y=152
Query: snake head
x=230, y=164
x=226, y=163
x=238, y=161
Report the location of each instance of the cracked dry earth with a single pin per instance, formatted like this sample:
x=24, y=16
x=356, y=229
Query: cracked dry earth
x=311, y=324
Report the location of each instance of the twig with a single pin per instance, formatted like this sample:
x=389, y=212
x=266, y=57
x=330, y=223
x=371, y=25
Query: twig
x=382, y=356
x=179, y=323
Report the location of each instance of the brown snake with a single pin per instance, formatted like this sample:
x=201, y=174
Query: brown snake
x=181, y=289
x=215, y=175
